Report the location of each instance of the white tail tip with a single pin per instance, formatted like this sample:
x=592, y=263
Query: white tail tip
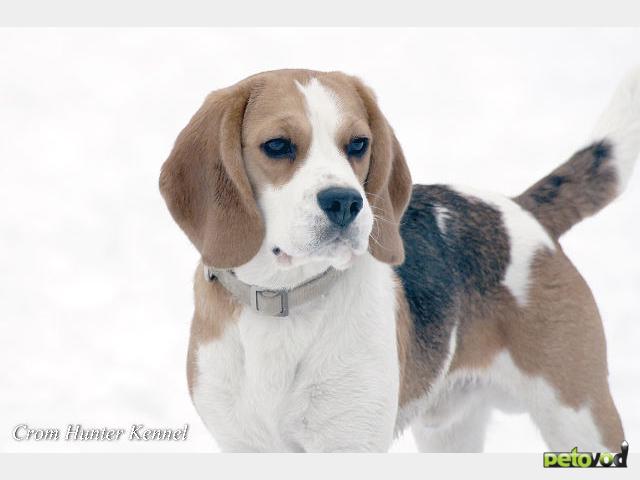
x=619, y=124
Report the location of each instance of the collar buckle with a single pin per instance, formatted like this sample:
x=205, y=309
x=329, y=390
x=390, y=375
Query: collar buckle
x=274, y=303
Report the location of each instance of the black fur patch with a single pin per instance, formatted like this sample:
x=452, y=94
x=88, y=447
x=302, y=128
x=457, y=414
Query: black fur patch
x=440, y=268
x=548, y=192
x=473, y=253
x=600, y=152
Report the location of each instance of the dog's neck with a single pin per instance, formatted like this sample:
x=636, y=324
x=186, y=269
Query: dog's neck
x=275, y=293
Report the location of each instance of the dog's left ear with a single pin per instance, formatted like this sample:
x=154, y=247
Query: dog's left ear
x=388, y=183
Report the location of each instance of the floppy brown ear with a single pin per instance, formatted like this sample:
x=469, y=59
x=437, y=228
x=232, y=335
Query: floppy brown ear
x=205, y=185
x=388, y=183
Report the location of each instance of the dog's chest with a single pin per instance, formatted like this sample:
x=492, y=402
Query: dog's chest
x=271, y=383
x=255, y=383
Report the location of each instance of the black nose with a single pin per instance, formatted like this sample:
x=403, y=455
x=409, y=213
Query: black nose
x=340, y=204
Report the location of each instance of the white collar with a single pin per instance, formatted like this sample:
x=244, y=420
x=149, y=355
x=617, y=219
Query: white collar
x=273, y=302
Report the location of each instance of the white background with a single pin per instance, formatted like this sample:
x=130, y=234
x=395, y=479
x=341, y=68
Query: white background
x=95, y=283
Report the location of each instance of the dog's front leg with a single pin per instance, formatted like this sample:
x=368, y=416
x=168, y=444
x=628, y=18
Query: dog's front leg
x=352, y=411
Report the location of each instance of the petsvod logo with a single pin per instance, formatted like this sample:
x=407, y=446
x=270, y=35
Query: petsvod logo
x=576, y=459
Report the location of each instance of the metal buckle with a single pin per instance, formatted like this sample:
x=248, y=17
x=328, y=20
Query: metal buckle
x=270, y=302
x=208, y=274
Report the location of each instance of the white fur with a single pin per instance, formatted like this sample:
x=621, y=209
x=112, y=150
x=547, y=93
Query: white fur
x=323, y=379
x=620, y=124
x=294, y=221
x=526, y=238
x=455, y=417
x=441, y=214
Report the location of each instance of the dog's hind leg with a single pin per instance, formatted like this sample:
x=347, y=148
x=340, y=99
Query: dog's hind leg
x=464, y=434
x=592, y=427
x=556, y=359
x=458, y=425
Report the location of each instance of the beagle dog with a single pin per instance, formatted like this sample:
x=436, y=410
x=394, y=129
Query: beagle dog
x=336, y=304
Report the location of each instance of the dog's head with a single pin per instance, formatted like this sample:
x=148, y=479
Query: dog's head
x=297, y=166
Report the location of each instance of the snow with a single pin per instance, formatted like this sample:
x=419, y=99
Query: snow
x=95, y=291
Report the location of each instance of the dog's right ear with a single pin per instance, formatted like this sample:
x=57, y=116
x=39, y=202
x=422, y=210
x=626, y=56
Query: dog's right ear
x=205, y=185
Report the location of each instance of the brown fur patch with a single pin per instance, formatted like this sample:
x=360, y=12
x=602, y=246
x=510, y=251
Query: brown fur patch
x=276, y=109
x=576, y=189
x=215, y=309
x=558, y=336
x=404, y=337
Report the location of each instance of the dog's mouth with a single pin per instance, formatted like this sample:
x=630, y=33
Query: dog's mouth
x=339, y=250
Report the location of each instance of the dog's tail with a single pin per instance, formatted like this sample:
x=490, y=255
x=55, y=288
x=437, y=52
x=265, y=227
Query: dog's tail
x=598, y=173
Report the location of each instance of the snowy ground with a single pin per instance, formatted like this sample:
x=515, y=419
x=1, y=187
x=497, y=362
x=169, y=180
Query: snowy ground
x=95, y=289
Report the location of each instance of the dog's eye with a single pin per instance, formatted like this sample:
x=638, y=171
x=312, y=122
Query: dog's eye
x=357, y=147
x=279, y=148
